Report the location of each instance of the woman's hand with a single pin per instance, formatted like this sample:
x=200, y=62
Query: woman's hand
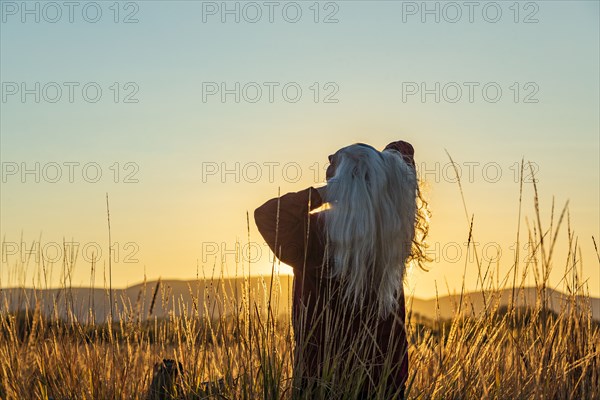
x=404, y=148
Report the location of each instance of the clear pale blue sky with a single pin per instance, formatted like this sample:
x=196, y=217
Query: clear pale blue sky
x=174, y=217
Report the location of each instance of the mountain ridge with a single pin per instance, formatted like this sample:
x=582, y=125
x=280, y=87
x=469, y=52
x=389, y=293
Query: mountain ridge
x=218, y=296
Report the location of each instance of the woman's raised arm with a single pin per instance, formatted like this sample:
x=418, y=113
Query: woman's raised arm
x=283, y=223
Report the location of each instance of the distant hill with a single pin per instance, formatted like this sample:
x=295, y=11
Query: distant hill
x=208, y=297
x=195, y=297
x=473, y=302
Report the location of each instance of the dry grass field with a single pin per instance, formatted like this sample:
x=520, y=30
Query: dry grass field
x=503, y=351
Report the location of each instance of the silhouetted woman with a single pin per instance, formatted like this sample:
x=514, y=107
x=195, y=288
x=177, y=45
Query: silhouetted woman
x=349, y=262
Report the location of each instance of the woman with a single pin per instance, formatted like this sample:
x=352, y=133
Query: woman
x=349, y=262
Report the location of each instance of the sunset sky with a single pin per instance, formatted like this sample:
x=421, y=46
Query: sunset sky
x=202, y=118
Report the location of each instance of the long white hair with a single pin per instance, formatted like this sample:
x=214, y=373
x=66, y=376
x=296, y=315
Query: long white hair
x=371, y=223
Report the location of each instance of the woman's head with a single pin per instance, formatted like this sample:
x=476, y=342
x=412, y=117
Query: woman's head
x=371, y=223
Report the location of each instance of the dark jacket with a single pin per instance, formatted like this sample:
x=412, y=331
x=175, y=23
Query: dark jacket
x=325, y=325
